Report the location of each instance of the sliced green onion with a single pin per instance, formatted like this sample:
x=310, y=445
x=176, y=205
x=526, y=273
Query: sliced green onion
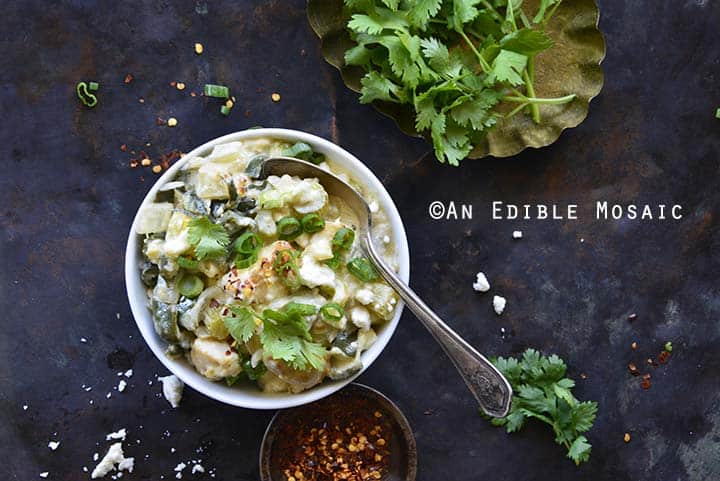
x=334, y=262
x=217, y=91
x=344, y=238
x=187, y=263
x=289, y=228
x=332, y=312
x=93, y=86
x=361, y=268
x=299, y=309
x=225, y=110
x=303, y=151
x=287, y=268
x=248, y=243
x=190, y=286
x=86, y=97
x=243, y=261
x=312, y=223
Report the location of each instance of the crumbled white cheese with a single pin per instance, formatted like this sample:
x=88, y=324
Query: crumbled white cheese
x=481, y=283
x=96, y=456
x=364, y=296
x=108, y=395
x=129, y=373
x=121, y=385
x=517, y=234
x=374, y=207
x=53, y=445
x=172, y=389
x=360, y=317
x=120, y=434
x=499, y=304
x=114, y=459
x=198, y=468
x=180, y=467
x=44, y=475
x=83, y=340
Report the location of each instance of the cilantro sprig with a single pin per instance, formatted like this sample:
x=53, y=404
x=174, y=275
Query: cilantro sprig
x=541, y=391
x=208, y=239
x=285, y=334
x=454, y=61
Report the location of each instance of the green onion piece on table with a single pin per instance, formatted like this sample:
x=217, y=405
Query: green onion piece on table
x=289, y=228
x=225, y=110
x=312, y=223
x=191, y=286
x=361, y=268
x=217, y=91
x=85, y=95
x=332, y=312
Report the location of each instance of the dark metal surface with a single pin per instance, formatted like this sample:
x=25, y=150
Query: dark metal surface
x=67, y=198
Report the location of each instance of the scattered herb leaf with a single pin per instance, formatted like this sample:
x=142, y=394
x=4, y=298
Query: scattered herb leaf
x=209, y=240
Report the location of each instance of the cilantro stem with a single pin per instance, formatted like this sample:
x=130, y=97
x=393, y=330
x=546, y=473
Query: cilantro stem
x=511, y=14
x=483, y=63
x=493, y=12
x=550, y=14
x=533, y=100
x=534, y=109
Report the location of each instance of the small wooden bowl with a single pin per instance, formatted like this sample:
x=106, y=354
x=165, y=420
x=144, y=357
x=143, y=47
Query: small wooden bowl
x=403, y=452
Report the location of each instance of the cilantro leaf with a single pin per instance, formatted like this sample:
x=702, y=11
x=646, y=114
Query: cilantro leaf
x=476, y=111
x=422, y=10
x=541, y=391
x=526, y=41
x=242, y=324
x=286, y=336
x=579, y=450
x=209, y=240
x=508, y=67
x=464, y=11
x=377, y=87
x=374, y=23
x=439, y=58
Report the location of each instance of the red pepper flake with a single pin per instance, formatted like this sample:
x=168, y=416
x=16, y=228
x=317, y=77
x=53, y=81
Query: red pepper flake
x=663, y=357
x=193, y=94
x=133, y=164
x=173, y=83
x=123, y=148
x=248, y=113
x=646, y=376
x=645, y=384
x=128, y=78
x=633, y=369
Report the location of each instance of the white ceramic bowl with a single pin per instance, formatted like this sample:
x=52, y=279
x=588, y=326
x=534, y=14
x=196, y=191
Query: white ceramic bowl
x=249, y=396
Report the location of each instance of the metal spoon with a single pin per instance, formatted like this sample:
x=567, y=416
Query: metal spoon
x=487, y=384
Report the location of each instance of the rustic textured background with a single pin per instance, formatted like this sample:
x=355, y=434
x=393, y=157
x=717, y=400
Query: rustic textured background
x=67, y=197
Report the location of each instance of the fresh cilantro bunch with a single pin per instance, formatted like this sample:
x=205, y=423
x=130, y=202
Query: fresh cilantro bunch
x=541, y=391
x=454, y=61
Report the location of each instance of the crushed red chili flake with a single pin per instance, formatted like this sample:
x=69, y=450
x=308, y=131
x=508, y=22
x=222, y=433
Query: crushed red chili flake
x=173, y=83
x=645, y=384
x=633, y=369
x=128, y=78
x=123, y=148
x=663, y=357
x=340, y=438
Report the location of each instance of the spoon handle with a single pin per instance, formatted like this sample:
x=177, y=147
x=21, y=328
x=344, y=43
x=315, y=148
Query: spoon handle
x=490, y=388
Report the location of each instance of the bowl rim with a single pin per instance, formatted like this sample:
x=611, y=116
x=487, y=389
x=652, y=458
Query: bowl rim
x=257, y=399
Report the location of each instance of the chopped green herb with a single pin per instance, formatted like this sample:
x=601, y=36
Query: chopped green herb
x=253, y=373
x=303, y=151
x=93, y=86
x=241, y=324
x=190, y=286
x=668, y=346
x=217, y=91
x=361, y=268
x=209, y=240
x=286, y=336
x=541, y=391
x=453, y=62
x=225, y=110
x=312, y=223
x=289, y=228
